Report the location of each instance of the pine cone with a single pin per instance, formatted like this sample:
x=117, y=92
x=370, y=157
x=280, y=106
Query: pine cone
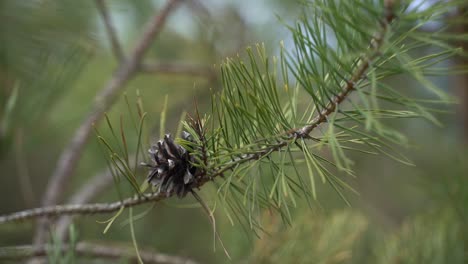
x=172, y=169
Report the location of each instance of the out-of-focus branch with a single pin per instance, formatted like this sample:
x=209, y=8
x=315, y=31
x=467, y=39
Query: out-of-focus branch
x=69, y=158
x=178, y=68
x=199, y=8
x=91, y=250
x=112, y=34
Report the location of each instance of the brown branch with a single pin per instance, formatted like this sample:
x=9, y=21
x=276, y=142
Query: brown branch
x=82, y=209
x=91, y=250
x=112, y=34
x=68, y=159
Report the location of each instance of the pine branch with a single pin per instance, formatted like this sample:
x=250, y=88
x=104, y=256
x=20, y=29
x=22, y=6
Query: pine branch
x=81, y=209
x=69, y=158
x=322, y=117
x=91, y=250
x=358, y=75
x=290, y=136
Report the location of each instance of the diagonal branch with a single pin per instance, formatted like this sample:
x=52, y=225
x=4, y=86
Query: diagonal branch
x=112, y=34
x=91, y=250
x=69, y=158
x=350, y=85
x=358, y=75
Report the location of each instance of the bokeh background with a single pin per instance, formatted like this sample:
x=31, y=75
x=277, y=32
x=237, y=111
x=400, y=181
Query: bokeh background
x=56, y=56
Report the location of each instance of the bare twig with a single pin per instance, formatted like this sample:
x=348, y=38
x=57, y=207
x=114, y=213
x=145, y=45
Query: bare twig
x=83, y=209
x=93, y=250
x=68, y=159
x=112, y=34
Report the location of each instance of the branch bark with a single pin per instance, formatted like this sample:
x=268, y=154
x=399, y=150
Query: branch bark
x=82, y=209
x=93, y=250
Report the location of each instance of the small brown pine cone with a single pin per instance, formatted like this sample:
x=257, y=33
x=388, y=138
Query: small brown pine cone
x=171, y=169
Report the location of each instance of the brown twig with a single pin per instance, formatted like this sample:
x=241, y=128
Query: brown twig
x=68, y=159
x=112, y=34
x=93, y=250
x=82, y=209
